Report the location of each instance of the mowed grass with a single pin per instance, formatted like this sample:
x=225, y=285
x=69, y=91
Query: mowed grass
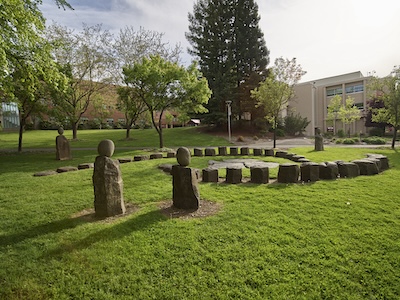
x=148, y=138
x=327, y=240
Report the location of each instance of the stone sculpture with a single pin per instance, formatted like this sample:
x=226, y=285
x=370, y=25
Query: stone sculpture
x=107, y=182
x=185, y=191
x=319, y=140
x=63, y=151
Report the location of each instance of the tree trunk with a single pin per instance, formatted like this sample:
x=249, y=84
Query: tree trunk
x=75, y=131
x=21, y=131
x=160, y=135
x=275, y=128
x=394, y=137
x=128, y=130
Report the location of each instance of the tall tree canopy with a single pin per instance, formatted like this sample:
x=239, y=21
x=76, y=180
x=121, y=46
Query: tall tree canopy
x=164, y=85
x=230, y=46
x=26, y=64
x=387, y=90
x=277, y=89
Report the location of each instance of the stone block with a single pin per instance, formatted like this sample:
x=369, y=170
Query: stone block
x=348, y=169
x=234, y=151
x=210, y=175
x=309, y=172
x=257, y=152
x=171, y=154
x=108, y=188
x=85, y=166
x=367, y=167
x=125, y=160
x=259, y=174
x=281, y=154
x=140, y=157
x=66, y=169
x=210, y=151
x=156, y=155
x=233, y=175
x=288, y=173
x=185, y=191
x=45, y=173
x=198, y=152
x=244, y=151
x=296, y=158
x=269, y=152
x=222, y=151
x=328, y=170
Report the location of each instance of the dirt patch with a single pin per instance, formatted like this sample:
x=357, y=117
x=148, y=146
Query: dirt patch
x=88, y=215
x=206, y=208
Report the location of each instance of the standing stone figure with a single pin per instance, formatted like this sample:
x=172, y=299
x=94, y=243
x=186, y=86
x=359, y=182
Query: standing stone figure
x=107, y=182
x=319, y=140
x=63, y=151
x=185, y=191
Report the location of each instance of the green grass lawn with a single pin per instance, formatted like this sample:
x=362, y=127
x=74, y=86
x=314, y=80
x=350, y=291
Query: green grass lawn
x=327, y=240
x=173, y=137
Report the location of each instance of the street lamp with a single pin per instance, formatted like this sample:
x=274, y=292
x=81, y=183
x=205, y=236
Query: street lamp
x=228, y=105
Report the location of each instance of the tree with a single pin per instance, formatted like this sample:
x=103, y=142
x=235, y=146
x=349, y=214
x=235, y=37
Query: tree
x=131, y=105
x=295, y=123
x=277, y=89
x=163, y=85
x=230, y=46
x=26, y=64
x=85, y=58
x=129, y=48
x=373, y=105
x=349, y=113
x=333, y=110
x=387, y=90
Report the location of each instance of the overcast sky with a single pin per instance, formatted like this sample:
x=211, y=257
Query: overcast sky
x=328, y=37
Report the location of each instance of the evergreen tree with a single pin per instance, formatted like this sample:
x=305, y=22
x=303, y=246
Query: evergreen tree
x=226, y=38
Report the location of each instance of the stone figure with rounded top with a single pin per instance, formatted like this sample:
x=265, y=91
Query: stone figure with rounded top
x=185, y=191
x=63, y=150
x=107, y=182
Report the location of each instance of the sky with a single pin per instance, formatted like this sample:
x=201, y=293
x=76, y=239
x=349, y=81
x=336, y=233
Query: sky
x=327, y=37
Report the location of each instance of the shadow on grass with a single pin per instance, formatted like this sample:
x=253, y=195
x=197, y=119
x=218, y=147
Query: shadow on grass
x=110, y=234
x=52, y=227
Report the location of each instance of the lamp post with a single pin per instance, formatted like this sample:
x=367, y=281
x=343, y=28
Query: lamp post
x=228, y=105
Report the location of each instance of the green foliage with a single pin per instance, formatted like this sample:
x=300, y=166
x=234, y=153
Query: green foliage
x=295, y=124
x=227, y=40
x=274, y=92
x=374, y=140
x=341, y=133
x=387, y=90
x=163, y=85
x=376, y=131
x=348, y=141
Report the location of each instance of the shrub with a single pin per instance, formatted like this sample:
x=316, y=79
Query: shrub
x=374, y=140
x=280, y=132
x=255, y=138
x=376, y=131
x=240, y=139
x=349, y=141
x=341, y=133
x=338, y=141
x=295, y=124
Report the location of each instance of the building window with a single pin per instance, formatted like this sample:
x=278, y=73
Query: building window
x=355, y=88
x=359, y=105
x=334, y=91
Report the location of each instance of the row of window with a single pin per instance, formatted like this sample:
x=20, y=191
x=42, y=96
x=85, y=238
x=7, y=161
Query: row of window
x=349, y=90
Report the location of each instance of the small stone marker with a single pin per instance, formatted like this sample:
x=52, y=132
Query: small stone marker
x=328, y=170
x=257, y=151
x=269, y=152
x=185, y=191
x=171, y=154
x=66, y=169
x=140, y=157
x=210, y=151
x=244, y=151
x=107, y=182
x=156, y=156
x=45, y=173
x=63, y=150
x=319, y=140
x=86, y=166
x=348, y=169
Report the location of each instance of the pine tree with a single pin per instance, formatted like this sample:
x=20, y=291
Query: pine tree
x=226, y=38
